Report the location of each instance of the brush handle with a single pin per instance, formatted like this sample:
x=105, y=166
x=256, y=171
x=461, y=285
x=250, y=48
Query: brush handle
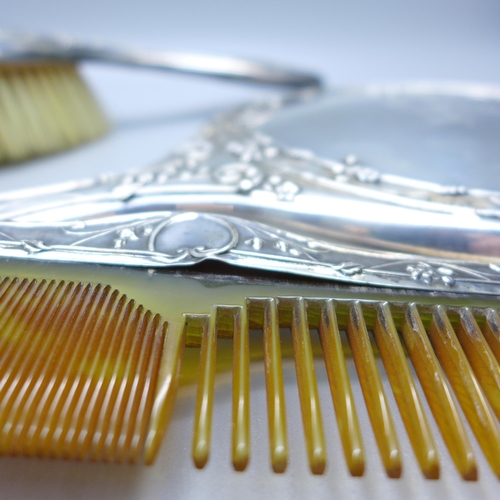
x=26, y=48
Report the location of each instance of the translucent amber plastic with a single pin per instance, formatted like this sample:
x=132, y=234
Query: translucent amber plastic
x=86, y=373
x=438, y=393
x=79, y=371
x=373, y=392
x=405, y=392
x=341, y=391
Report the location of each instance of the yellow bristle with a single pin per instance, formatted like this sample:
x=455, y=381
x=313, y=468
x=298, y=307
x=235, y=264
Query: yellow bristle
x=45, y=108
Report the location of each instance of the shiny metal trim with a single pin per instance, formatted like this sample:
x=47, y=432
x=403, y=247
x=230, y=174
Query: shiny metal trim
x=22, y=48
x=237, y=196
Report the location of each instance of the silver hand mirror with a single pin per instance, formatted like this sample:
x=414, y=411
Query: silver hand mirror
x=381, y=185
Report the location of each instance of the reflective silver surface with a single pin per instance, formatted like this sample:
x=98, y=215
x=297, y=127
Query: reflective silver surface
x=19, y=48
x=240, y=195
x=448, y=136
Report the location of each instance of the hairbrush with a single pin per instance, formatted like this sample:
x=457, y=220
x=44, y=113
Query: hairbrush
x=47, y=107
x=420, y=262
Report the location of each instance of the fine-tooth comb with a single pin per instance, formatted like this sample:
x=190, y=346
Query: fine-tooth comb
x=90, y=374
x=238, y=196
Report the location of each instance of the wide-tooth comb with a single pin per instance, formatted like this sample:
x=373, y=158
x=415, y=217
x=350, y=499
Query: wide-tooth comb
x=89, y=374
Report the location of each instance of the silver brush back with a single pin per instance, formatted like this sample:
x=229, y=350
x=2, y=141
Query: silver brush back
x=236, y=195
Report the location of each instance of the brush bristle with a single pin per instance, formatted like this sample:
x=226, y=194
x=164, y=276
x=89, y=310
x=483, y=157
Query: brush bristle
x=45, y=108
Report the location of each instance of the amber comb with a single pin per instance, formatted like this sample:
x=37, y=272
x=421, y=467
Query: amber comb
x=88, y=373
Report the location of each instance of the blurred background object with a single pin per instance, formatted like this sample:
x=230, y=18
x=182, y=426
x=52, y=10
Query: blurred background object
x=349, y=43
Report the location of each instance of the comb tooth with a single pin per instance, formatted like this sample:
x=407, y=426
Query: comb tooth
x=140, y=401
x=167, y=390
x=28, y=392
x=51, y=425
x=133, y=336
x=130, y=409
x=12, y=342
x=41, y=375
x=146, y=392
x=274, y=388
x=54, y=375
x=73, y=409
x=14, y=356
x=62, y=418
x=466, y=387
x=481, y=358
x=373, y=392
x=99, y=376
x=63, y=369
x=491, y=332
x=4, y=285
x=205, y=395
x=11, y=298
x=115, y=374
x=157, y=359
x=405, y=392
x=241, y=391
x=23, y=386
x=340, y=388
x=307, y=385
x=438, y=394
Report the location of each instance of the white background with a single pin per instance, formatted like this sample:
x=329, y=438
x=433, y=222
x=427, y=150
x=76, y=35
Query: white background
x=348, y=42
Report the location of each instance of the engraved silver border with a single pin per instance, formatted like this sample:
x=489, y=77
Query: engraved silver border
x=234, y=175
